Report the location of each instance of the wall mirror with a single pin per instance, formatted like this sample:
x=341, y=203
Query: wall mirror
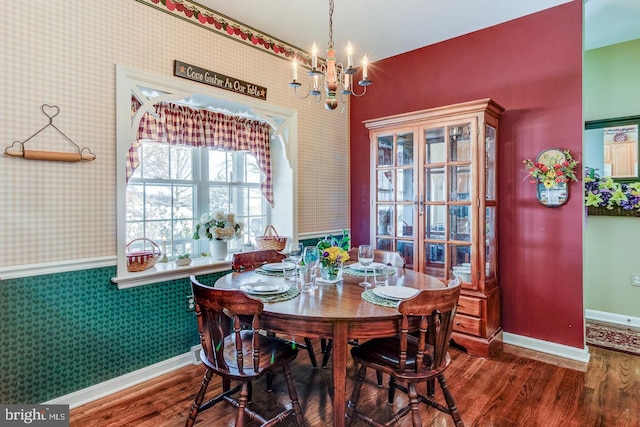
x=611, y=147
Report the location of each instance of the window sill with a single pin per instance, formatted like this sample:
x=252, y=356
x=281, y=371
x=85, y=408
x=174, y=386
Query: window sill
x=165, y=271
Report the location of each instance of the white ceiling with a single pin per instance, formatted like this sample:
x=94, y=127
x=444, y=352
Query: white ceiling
x=384, y=28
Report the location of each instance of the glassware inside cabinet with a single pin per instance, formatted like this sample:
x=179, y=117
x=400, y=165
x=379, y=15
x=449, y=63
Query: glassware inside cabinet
x=460, y=143
x=435, y=148
x=435, y=184
x=385, y=185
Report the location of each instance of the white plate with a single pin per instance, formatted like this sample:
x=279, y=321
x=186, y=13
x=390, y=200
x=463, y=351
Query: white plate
x=264, y=288
x=275, y=266
x=395, y=292
x=370, y=267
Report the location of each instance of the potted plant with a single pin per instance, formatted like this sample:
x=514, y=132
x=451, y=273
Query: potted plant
x=184, y=259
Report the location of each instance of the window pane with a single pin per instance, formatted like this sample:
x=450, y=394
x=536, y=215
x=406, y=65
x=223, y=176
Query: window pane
x=157, y=230
x=219, y=166
x=183, y=229
x=154, y=160
x=219, y=198
x=183, y=202
x=134, y=230
x=157, y=201
x=181, y=163
x=135, y=210
x=254, y=174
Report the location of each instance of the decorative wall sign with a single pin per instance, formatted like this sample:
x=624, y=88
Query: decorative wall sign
x=201, y=75
x=551, y=172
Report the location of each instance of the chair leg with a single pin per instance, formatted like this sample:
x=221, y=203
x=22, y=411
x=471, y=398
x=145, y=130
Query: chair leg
x=293, y=395
x=195, y=408
x=414, y=400
x=323, y=345
x=431, y=388
x=392, y=390
x=327, y=353
x=312, y=354
x=379, y=378
x=242, y=404
x=451, y=403
x=355, y=396
x=269, y=381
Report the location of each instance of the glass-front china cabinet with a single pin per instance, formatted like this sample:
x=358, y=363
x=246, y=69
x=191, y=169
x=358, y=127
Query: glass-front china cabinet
x=434, y=200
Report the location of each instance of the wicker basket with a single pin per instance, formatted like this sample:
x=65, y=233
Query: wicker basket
x=271, y=240
x=141, y=260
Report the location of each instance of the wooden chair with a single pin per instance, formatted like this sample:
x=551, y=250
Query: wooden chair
x=240, y=355
x=410, y=359
x=389, y=258
x=246, y=261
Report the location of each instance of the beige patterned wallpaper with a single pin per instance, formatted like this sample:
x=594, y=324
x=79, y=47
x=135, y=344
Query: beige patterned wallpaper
x=64, y=53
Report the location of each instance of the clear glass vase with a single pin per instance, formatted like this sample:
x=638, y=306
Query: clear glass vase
x=332, y=271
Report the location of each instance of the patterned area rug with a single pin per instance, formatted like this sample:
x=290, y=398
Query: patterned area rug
x=613, y=337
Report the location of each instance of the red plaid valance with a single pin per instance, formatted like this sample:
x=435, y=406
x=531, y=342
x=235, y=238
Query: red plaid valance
x=181, y=125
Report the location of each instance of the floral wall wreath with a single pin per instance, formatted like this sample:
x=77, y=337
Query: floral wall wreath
x=552, y=170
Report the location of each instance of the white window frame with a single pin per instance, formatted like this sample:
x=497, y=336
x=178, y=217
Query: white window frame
x=284, y=125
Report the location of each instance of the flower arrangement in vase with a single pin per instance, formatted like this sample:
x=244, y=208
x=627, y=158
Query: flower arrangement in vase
x=333, y=254
x=218, y=227
x=556, y=170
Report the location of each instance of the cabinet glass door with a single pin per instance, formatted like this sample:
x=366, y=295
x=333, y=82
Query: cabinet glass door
x=448, y=193
x=395, y=194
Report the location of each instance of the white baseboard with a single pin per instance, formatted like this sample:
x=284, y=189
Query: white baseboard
x=573, y=353
x=618, y=319
x=98, y=391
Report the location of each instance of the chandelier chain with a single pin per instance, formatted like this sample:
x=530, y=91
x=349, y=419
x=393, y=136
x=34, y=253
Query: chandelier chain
x=330, y=23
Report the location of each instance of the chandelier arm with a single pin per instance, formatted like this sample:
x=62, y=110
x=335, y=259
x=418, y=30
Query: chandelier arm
x=358, y=95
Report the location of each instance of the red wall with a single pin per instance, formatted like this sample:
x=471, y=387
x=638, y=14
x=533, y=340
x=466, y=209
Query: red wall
x=531, y=66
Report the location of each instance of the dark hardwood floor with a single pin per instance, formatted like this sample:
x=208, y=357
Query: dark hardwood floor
x=518, y=387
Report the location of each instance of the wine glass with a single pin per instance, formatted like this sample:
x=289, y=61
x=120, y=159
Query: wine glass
x=365, y=257
x=295, y=253
x=311, y=257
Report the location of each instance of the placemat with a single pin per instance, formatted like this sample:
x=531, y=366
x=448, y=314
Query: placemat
x=360, y=273
x=274, y=273
x=290, y=294
x=369, y=296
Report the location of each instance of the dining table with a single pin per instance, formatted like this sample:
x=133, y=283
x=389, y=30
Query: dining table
x=337, y=311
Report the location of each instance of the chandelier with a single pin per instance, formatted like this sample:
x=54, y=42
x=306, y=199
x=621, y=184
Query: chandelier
x=335, y=77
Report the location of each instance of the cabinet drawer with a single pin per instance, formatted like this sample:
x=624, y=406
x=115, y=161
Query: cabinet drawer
x=470, y=305
x=467, y=324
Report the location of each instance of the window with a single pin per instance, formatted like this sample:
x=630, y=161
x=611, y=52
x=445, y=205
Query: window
x=163, y=187
x=174, y=185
